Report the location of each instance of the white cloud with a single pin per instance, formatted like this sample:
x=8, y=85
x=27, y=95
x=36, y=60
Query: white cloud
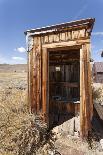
x=80, y=12
x=18, y=58
x=12, y=60
x=97, y=33
x=20, y=49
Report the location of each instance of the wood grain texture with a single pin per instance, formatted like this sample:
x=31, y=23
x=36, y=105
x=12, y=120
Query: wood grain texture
x=86, y=92
x=29, y=87
x=44, y=82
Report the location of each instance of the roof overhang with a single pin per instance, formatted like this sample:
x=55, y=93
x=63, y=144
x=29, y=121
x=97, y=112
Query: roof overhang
x=86, y=23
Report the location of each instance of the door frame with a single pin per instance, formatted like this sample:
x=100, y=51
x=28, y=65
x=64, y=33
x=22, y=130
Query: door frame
x=86, y=102
x=45, y=76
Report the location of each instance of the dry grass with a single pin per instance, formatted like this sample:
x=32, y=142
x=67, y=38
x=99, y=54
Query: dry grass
x=98, y=92
x=13, y=108
x=20, y=132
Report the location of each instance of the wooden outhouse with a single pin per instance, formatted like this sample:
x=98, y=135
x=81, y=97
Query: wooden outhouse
x=59, y=72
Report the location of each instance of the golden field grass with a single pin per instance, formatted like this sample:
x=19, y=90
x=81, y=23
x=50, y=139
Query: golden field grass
x=19, y=134
x=13, y=108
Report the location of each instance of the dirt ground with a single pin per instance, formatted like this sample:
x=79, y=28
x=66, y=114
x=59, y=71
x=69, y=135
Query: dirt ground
x=14, y=117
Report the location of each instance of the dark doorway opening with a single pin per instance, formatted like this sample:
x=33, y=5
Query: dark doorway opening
x=64, y=85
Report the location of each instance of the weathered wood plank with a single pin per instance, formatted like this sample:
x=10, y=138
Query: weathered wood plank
x=38, y=66
x=29, y=87
x=90, y=82
x=34, y=81
x=66, y=84
x=44, y=83
x=71, y=43
x=85, y=88
x=32, y=88
x=81, y=93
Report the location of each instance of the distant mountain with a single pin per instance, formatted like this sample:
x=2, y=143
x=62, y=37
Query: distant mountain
x=13, y=68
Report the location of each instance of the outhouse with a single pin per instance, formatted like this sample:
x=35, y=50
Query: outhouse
x=59, y=72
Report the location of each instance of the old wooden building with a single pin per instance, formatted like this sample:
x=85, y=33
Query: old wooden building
x=59, y=73
x=98, y=72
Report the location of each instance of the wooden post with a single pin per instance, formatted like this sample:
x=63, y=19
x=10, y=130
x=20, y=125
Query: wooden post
x=44, y=83
x=38, y=66
x=81, y=93
x=29, y=87
x=34, y=76
x=34, y=80
x=90, y=83
x=85, y=92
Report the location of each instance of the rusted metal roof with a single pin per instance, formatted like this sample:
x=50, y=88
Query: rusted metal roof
x=84, y=22
x=98, y=66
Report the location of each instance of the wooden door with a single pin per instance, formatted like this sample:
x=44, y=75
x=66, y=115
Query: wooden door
x=64, y=87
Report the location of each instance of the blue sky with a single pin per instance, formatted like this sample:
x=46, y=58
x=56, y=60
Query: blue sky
x=16, y=16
